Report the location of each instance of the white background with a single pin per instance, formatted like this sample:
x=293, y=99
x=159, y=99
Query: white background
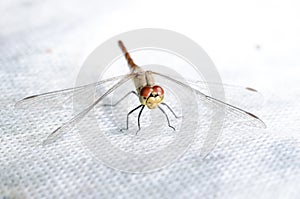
x=252, y=43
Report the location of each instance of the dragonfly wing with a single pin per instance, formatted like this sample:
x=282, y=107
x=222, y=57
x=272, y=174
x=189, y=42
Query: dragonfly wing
x=60, y=97
x=233, y=94
x=251, y=119
x=70, y=124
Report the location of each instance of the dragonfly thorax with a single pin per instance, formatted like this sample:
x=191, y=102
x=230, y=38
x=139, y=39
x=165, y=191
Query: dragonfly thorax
x=151, y=96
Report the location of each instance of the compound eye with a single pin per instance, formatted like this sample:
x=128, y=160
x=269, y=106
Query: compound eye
x=158, y=90
x=146, y=91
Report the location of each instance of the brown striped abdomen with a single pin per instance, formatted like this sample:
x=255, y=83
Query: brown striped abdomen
x=130, y=62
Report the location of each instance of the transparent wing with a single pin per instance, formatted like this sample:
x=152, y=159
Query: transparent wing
x=245, y=97
x=230, y=109
x=60, y=97
x=70, y=124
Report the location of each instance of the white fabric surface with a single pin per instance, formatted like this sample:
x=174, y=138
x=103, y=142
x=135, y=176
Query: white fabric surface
x=42, y=47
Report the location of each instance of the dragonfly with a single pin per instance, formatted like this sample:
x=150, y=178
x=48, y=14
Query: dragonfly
x=149, y=93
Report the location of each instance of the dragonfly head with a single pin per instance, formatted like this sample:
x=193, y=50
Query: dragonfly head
x=151, y=96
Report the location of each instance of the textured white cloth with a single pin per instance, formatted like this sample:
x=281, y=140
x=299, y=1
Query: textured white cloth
x=43, y=44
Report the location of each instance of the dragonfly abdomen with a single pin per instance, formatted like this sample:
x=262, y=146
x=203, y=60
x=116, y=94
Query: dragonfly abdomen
x=130, y=62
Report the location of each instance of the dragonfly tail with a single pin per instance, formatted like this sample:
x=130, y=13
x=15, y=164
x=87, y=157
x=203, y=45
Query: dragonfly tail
x=130, y=62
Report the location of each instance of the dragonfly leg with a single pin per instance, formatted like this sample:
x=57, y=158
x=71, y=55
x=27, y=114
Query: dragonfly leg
x=140, y=113
x=129, y=114
x=171, y=110
x=162, y=110
x=131, y=92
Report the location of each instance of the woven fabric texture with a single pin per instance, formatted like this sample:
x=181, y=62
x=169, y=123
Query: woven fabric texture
x=42, y=48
